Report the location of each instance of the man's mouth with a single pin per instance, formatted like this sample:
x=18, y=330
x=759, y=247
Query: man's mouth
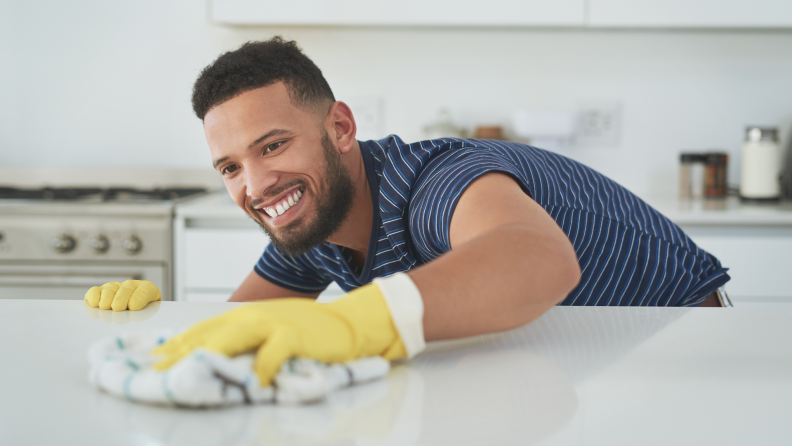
x=283, y=204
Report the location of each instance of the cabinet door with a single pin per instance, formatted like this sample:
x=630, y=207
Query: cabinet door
x=405, y=12
x=757, y=258
x=219, y=259
x=691, y=13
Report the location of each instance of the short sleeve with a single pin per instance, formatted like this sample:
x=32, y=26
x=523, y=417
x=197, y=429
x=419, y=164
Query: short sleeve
x=297, y=273
x=438, y=189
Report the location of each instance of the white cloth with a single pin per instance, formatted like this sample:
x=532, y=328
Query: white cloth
x=121, y=366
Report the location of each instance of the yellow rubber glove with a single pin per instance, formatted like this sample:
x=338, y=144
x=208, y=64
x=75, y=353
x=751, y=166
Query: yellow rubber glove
x=132, y=294
x=356, y=325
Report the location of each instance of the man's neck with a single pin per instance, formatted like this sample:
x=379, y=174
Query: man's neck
x=355, y=232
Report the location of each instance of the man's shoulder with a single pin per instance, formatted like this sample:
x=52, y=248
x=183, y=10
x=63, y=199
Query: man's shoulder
x=404, y=162
x=402, y=167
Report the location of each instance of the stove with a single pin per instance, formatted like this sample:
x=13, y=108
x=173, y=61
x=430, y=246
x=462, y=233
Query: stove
x=111, y=194
x=56, y=242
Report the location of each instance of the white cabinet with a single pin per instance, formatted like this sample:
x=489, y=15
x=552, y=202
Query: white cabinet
x=215, y=261
x=216, y=247
x=691, y=13
x=567, y=13
x=405, y=12
x=221, y=258
x=757, y=258
x=753, y=241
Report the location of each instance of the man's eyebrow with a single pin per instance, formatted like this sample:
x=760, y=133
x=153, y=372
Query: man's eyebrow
x=269, y=134
x=218, y=161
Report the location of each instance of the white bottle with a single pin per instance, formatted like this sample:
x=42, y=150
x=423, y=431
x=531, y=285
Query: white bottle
x=761, y=165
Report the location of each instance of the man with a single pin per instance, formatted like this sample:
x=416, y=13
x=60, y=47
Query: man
x=460, y=237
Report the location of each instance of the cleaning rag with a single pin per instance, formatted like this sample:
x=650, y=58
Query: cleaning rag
x=122, y=367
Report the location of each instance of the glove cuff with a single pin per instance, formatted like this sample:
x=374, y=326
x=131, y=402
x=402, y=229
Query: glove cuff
x=406, y=308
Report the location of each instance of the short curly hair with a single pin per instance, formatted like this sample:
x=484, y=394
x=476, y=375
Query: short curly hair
x=259, y=64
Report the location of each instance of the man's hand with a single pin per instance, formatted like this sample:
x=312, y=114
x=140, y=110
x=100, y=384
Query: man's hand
x=357, y=325
x=130, y=295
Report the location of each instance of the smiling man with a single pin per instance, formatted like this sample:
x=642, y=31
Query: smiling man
x=432, y=240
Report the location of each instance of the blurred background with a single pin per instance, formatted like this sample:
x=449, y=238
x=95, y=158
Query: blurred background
x=107, y=83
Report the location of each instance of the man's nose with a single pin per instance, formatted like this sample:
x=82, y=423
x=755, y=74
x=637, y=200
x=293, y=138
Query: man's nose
x=259, y=180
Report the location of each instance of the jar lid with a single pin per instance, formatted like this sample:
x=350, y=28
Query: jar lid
x=717, y=159
x=760, y=134
x=690, y=157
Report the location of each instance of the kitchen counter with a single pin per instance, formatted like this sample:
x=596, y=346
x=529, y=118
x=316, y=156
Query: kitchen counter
x=610, y=376
x=727, y=212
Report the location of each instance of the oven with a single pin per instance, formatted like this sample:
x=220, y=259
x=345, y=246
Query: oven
x=70, y=281
x=57, y=246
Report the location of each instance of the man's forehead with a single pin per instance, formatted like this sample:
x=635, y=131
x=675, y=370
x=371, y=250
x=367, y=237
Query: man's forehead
x=269, y=101
x=240, y=121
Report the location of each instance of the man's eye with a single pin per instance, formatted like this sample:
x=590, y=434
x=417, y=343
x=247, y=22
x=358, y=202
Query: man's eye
x=272, y=147
x=228, y=169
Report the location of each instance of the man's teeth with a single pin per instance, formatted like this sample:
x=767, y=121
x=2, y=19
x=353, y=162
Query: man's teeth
x=284, y=206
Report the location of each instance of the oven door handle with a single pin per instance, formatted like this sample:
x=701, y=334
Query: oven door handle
x=87, y=281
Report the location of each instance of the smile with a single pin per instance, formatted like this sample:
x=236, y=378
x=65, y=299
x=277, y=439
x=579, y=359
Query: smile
x=283, y=205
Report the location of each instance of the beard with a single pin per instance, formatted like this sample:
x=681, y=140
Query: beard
x=331, y=207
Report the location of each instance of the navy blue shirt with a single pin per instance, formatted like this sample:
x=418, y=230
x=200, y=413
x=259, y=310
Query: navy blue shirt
x=629, y=254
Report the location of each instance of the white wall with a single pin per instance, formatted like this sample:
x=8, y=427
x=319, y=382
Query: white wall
x=92, y=82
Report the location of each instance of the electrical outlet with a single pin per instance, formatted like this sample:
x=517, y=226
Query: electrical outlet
x=599, y=125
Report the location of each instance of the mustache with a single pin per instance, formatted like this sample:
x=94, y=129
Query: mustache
x=274, y=193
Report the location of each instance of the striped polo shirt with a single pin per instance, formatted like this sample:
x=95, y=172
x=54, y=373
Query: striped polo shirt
x=629, y=254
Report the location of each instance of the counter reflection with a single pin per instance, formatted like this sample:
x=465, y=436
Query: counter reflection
x=122, y=317
x=516, y=387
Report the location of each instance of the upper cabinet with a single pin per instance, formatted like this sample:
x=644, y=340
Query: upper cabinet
x=400, y=13
x=542, y=13
x=690, y=13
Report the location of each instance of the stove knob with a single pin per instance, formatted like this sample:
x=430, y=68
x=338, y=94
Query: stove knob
x=132, y=245
x=63, y=243
x=100, y=244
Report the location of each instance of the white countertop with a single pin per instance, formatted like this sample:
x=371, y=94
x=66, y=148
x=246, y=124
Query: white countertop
x=727, y=212
x=576, y=376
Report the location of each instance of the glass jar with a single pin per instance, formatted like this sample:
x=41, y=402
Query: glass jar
x=715, y=175
x=761, y=165
x=691, y=175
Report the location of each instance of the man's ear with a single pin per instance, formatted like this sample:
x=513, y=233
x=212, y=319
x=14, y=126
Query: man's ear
x=341, y=126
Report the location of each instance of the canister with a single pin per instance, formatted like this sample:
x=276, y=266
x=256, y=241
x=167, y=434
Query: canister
x=691, y=175
x=715, y=175
x=761, y=165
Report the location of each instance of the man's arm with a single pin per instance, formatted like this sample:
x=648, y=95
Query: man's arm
x=509, y=263
x=255, y=287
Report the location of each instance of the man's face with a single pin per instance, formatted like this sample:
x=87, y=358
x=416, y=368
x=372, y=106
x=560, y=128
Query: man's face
x=272, y=154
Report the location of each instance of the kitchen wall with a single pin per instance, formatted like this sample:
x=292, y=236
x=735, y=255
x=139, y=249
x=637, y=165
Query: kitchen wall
x=98, y=83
